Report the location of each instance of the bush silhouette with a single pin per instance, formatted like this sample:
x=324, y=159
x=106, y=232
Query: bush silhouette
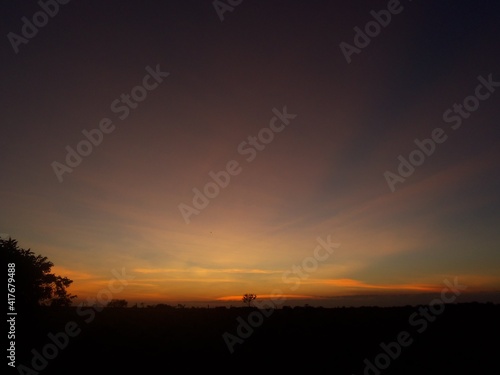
x=121, y=303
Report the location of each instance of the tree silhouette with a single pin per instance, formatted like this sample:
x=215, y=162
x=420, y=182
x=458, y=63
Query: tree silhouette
x=248, y=298
x=33, y=282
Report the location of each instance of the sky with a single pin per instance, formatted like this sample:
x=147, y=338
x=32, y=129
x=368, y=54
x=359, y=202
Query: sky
x=308, y=114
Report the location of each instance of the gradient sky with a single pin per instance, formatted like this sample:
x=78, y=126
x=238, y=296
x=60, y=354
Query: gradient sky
x=323, y=175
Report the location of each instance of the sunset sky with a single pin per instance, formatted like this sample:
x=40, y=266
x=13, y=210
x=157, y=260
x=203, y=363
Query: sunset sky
x=320, y=176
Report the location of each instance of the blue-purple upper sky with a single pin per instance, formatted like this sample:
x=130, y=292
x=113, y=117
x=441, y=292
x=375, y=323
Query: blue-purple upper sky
x=315, y=123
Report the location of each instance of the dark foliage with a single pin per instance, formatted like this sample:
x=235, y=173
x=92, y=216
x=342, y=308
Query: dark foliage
x=34, y=284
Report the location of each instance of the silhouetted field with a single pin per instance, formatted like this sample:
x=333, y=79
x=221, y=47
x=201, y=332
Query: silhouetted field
x=463, y=339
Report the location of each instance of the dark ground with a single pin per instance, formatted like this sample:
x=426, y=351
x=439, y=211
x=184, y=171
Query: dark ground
x=463, y=339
